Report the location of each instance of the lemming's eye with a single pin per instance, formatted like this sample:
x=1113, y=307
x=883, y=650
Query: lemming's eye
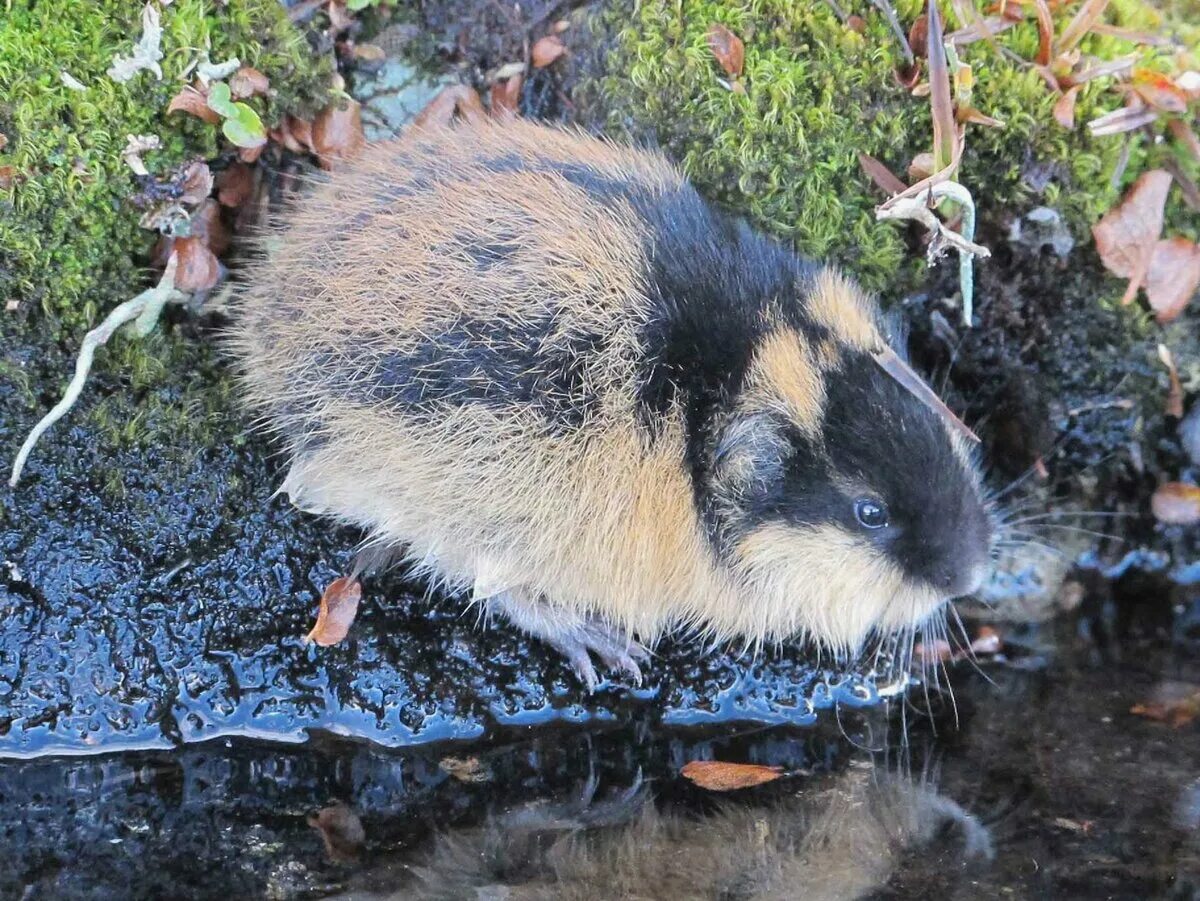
x=870, y=513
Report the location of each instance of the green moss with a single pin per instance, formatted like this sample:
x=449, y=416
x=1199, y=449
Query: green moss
x=69, y=238
x=817, y=93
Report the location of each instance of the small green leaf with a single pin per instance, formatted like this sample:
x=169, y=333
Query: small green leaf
x=356, y=5
x=245, y=129
x=219, y=100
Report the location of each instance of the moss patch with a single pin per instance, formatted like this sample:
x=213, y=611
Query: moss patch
x=819, y=92
x=69, y=236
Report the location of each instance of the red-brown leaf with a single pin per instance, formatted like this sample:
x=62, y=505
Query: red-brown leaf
x=718, y=776
x=337, y=133
x=197, y=183
x=1176, y=504
x=457, y=99
x=234, y=184
x=339, y=605
x=728, y=49
x=1126, y=236
x=506, y=96
x=1159, y=91
x=248, y=82
x=546, y=50
x=1174, y=703
x=918, y=36
x=197, y=268
x=1045, y=32
x=194, y=101
x=1172, y=277
x=880, y=174
x=1064, y=108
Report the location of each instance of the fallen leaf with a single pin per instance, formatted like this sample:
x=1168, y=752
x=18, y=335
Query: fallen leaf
x=194, y=101
x=1126, y=236
x=339, y=19
x=1080, y=25
x=339, y=604
x=1159, y=91
x=341, y=830
x=880, y=174
x=457, y=99
x=337, y=133
x=506, y=96
x=7, y=176
x=718, y=776
x=248, y=82
x=970, y=115
x=1176, y=504
x=1175, y=703
x=197, y=183
x=918, y=36
x=856, y=24
x=728, y=48
x=1045, y=32
x=546, y=50
x=1064, y=108
x=1172, y=277
x=234, y=184
x=199, y=269
x=466, y=769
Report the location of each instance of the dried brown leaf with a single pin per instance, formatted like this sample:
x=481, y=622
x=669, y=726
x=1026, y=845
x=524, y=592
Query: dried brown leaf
x=1172, y=278
x=728, y=49
x=197, y=183
x=1045, y=23
x=248, y=82
x=1176, y=504
x=198, y=268
x=1126, y=236
x=718, y=776
x=506, y=96
x=8, y=175
x=941, y=101
x=972, y=116
x=921, y=166
x=1159, y=91
x=194, y=101
x=546, y=50
x=457, y=99
x=337, y=133
x=1064, y=108
x=234, y=184
x=880, y=174
x=339, y=605
x=341, y=830
x=918, y=36
x=856, y=24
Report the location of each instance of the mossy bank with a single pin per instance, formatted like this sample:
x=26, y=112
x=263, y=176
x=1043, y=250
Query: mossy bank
x=70, y=243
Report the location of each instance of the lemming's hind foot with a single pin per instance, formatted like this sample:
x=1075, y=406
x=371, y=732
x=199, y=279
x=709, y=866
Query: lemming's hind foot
x=575, y=637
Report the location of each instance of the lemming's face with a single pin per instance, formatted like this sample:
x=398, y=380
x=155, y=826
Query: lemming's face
x=866, y=521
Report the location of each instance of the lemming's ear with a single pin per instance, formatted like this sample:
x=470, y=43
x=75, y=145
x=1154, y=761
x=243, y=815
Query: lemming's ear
x=750, y=452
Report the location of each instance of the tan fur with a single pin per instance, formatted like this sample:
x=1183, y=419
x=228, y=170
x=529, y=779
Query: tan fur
x=600, y=520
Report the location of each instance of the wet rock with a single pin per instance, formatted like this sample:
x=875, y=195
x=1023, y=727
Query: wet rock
x=156, y=592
